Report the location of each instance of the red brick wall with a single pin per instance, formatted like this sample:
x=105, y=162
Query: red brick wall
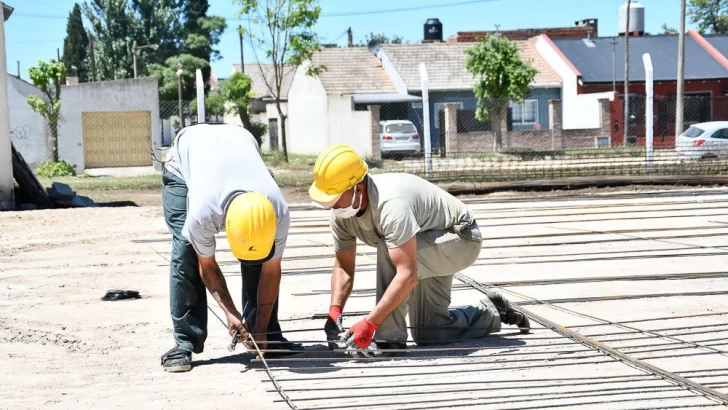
x=664, y=137
x=524, y=34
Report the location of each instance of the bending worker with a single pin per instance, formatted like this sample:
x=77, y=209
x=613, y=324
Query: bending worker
x=423, y=236
x=215, y=179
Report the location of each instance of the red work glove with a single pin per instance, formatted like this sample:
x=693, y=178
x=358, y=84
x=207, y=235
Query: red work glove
x=361, y=334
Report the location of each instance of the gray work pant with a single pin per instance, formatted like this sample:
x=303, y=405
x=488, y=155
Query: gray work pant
x=440, y=255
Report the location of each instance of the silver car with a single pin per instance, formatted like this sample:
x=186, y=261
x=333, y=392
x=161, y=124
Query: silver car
x=398, y=136
x=707, y=140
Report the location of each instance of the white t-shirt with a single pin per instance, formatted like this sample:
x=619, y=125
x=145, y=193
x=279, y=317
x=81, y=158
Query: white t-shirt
x=219, y=162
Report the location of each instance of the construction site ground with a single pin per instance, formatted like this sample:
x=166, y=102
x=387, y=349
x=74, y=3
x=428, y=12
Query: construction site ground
x=626, y=289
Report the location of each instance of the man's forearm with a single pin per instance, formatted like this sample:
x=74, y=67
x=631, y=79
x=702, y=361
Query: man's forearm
x=396, y=293
x=341, y=285
x=215, y=282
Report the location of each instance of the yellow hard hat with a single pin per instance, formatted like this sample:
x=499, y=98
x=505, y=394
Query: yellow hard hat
x=336, y=171
x=250, y=224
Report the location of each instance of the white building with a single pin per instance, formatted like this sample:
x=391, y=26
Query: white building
x=264, y=108
x=323, y=108
x=29, y=131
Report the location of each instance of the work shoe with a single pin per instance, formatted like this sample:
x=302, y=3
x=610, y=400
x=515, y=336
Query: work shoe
x=290, y=347
x=508, y=315
x=378, y=350
x=177, y=360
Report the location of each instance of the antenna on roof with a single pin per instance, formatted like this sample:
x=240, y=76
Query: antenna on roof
x=374, y=46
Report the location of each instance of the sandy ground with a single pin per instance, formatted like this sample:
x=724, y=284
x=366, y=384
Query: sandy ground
x=62, y=347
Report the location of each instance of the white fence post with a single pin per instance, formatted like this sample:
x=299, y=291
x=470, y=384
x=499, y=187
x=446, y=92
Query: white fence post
x=200, y=98
x=649, y=129
x=426, y=120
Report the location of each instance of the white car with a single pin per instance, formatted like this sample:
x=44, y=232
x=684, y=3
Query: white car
x=398, y=136
x=707, y=140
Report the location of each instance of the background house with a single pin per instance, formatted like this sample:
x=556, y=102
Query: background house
x=592, y=62
x=450, y=82
x=331, y=108
x=263, y=108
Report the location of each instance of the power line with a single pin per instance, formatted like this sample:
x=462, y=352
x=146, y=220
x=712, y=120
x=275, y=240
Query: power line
x=344, y=14
x=398, y=10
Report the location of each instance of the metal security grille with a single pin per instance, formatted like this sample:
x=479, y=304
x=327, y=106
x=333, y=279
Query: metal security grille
x=117, y=139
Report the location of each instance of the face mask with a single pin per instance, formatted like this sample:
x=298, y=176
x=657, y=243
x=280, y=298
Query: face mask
x=349, y=211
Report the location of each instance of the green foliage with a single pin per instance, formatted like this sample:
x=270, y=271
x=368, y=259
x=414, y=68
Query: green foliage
x=52, y=169
x=258, y=129
x=382, y=39
x=500, y=75
x=48, y=77
x=180, y=28
x=285, y=35
x=373, y=162
x=665, y=29
x=167, y=75
x=711, y=16
x=214, y=104
x=75, y=45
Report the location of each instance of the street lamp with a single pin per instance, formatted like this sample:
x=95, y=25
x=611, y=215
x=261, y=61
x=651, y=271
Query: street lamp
x=135, y=51
x=179, y=93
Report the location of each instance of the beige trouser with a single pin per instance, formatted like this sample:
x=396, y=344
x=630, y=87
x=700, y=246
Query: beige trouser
x=440, y=255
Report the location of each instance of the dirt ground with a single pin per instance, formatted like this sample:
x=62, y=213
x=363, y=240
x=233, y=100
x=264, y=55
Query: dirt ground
x=62, y=347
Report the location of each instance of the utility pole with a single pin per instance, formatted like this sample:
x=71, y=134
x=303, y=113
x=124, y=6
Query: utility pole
x=58, y=53
x=625, y=126
x=18, y=68
x=242, y=59
x=679, y=108
x=614, y=43
x=351, y=37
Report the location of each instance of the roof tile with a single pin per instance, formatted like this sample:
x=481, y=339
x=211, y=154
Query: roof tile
x=445, y=64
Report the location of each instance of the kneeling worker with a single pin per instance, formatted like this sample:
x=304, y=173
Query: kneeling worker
x=214, y=180
x=423, y=236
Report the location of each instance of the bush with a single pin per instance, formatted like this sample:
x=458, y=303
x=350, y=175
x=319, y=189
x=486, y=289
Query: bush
x=50, y=169
x=258, y=129
x=373, y=162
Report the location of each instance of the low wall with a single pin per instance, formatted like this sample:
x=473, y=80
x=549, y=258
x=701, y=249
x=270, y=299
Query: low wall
x=554, y=138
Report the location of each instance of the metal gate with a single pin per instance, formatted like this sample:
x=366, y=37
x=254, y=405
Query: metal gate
x=117, y=139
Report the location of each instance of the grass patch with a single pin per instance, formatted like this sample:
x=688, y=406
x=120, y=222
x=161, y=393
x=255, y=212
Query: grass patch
x=274, y=159
x=86, y=183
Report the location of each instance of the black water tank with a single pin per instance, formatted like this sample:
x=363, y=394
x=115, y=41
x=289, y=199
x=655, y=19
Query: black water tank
x=433, y=30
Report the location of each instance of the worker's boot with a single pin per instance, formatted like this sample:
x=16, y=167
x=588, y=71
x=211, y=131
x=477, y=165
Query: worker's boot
x=508, y=315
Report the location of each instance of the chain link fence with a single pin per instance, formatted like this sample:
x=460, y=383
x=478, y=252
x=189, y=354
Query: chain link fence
x=528, y=140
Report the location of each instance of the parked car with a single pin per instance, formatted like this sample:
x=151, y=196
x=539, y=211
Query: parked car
x=398, y=136
x=707, y=140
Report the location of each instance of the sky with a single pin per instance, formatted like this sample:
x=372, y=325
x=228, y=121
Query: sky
x=37, y=27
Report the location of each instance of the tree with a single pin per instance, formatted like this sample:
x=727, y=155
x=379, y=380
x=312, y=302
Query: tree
x=48, y=77
x=167, y=75
x=238, y=96
x=156, y=22
x=214, y=104
x=75, y=44
x=667, y=29
x=202, y=33
x=500, y=75
x=710, y=15
x=112, y=25
x=382, y=39
x=287, y=39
